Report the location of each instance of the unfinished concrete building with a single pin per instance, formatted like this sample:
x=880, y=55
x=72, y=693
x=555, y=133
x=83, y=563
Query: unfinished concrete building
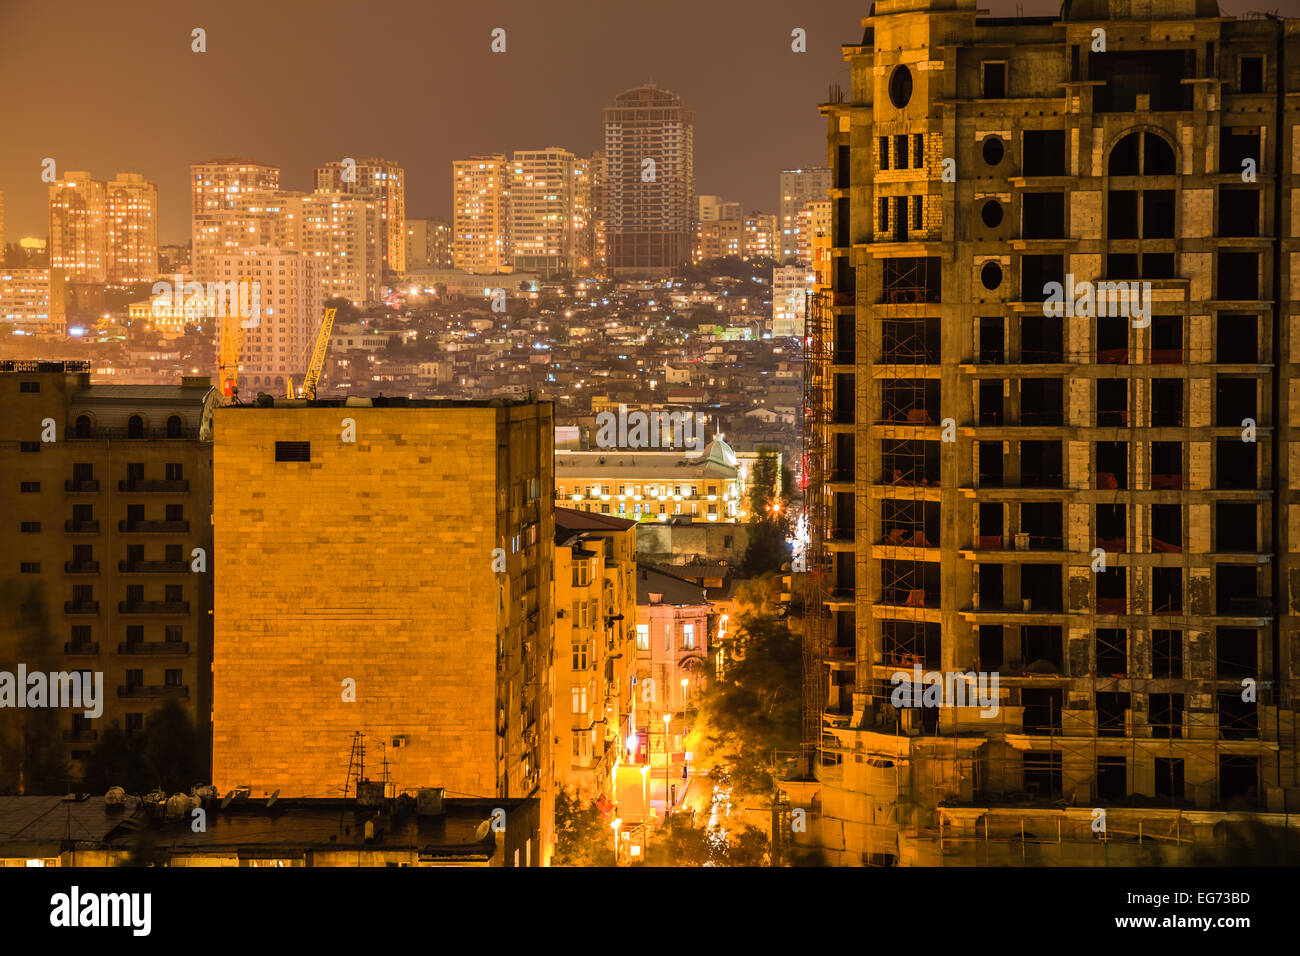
x=1014, y=472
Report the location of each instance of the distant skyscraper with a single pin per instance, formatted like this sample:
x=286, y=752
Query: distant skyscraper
x=291, y=287
x=760, y=236
x=385, y=182
x=428, y=244
x=582, y=215
x=223, y=216
x=78, y=228
x=481, y=223
x=790, y=288
x=2, y=220
x=541, y=211
x=132, y=230
x=799, y=187
x=32, y=300
x=599, y=213
x=343, y=232
x=650, y=159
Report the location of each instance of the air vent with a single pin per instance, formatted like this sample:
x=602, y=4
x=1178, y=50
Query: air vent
x=293, y=451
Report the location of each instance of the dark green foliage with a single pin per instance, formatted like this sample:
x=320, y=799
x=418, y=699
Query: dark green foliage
x=753, y=709
x=582, y=836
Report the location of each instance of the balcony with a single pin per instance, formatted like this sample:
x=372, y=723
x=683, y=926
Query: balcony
x=154, y=647
x=141, y=485
x=153, y=607
x=81, y=527
x=80, y=607
x=81, y=567
x=102, y=433
x=156, y=691
x=152, y=567
x=154, y=527
x=80, y=736
x=88, y=486
x=87, y=648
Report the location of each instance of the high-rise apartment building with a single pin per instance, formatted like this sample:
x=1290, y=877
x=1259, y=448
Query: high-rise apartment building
x=79, y=228
x=798, y=187
x=790, y=288
x=1050, y=439
x=481, y=214
x=342, y=231
x=290, y=287
x=132, y=230
x=228, y=211
x=599, y=213
x=34, y=300
x=760, y=236
x=541, y=228
x=428, y=244
x=384, y=181
x=106, y=520
x=595, y=588
x=380, y=613
x=582, y=215
x=650, y=190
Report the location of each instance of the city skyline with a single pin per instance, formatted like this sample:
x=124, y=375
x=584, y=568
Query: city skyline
x=714, y=62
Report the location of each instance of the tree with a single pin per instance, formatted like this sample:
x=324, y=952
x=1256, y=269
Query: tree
x=348, y=313
x=31, y=746
x=769, y=517
x=752, y=709
x=167, y=755
x=582, y=837
x=682, y=843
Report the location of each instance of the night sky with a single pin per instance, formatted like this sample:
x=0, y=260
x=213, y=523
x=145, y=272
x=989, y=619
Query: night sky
x=110, y=87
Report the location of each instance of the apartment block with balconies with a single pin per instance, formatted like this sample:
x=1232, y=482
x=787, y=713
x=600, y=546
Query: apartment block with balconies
x=107, y=494
x=1054, y=431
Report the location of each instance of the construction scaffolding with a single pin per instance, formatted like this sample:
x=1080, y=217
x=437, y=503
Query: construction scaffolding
x=817, y=356
x=907, y=464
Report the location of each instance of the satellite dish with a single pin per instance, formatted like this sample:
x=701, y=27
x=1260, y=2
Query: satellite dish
x=225, y=801
x=482, y=831
x=271, y=800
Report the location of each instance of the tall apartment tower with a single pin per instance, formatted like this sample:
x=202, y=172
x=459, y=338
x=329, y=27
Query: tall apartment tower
x=798, y=188
x=542, y=193
x=226, y=213
x=79, y=228
x=384, y=181
x=599, y=213
x=1016, y=471
x=132, y=228
x=360, y=596
x=481, y=214
x=650, y=190
x=343, y=231
x=101, y=546
x=582, y=215
x=428, y=244
x=291, y=289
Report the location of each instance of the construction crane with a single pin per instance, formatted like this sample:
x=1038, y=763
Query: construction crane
x=317, y=364
x=231, y=345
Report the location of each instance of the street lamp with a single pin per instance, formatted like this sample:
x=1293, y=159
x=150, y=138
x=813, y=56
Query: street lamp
x=667, y=809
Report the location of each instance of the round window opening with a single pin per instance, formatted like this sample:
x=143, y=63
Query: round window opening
x=991, y=275
x=993, y=151
x=992, y=213
x=900, y=86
